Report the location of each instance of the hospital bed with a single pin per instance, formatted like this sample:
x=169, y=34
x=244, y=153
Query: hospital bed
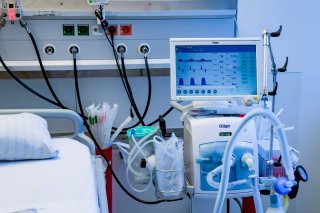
x=71, y=182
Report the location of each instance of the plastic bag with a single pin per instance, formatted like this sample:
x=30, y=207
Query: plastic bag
x=169, y=166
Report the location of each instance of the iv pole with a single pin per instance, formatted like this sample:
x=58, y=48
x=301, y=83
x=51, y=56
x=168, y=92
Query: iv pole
x=267, y=46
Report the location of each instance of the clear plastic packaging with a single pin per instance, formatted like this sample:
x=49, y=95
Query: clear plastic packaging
x=169, y=171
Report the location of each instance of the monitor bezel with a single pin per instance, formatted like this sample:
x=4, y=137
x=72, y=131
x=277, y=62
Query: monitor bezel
x=213, y=41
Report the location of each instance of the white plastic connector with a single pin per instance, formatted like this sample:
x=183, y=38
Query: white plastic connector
x=247, y=159
x=72, y=48
x=49, y=49
x=121, y=49
x=144, y=49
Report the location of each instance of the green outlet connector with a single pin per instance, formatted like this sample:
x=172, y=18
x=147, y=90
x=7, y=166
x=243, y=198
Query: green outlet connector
x=83, y=30
x=68, y=30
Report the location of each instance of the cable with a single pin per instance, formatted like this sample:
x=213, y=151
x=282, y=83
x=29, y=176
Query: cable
x=163, y=115
x=122, y=72
x=99, y=148
x=228, y=205
x=57, y=102
x=149, y=88
x=149, y=100
x=26, y=86
x=147, y=107
x=124, y=79
x=104, y=25
x=126, y=86
x=43, y=70
x=130, y=91
x=239, y=203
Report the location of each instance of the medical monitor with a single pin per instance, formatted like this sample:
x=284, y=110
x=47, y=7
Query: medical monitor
x=215, y=68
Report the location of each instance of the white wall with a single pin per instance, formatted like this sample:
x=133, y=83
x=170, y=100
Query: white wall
x=300, y=42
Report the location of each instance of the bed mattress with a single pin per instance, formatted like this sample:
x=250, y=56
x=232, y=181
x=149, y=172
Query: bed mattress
x=63, y=184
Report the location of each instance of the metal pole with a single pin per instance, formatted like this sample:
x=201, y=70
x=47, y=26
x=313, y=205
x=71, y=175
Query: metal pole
x=274, y=73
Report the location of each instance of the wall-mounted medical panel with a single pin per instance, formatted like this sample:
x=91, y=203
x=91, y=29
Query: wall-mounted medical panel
x=56, y=25
x=129, y=8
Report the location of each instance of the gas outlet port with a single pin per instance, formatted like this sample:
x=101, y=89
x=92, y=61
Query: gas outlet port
x=144, y=49
x=121, y=49
x=49, y=49
x=74, y=49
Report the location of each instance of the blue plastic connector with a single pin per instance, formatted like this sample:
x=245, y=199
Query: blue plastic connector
x=133, y=131
x=282, y=185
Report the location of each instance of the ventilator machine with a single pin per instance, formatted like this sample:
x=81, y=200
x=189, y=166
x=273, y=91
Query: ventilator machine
x=223, y=79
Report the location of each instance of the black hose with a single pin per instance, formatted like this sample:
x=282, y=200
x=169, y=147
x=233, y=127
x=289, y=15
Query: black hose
x=44, y=72
x=163, y=115
x=26, y=86
x=133, y=103
x=239, y=203
x=148, y=101
x=149, y=88
x=98, y=13
x=149, y=92
x=228, y=205
x=99, y=148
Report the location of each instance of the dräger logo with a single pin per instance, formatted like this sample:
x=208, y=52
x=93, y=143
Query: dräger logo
x=225, y=126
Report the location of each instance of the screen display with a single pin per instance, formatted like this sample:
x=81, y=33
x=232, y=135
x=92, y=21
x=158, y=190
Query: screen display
x=216, y=70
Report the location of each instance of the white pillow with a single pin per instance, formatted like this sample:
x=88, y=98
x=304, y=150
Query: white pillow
x=25, y=136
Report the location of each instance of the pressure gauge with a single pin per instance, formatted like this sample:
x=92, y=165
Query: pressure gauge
x=301, y=174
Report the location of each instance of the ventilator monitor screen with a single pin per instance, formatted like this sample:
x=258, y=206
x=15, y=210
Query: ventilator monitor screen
x=207, y=69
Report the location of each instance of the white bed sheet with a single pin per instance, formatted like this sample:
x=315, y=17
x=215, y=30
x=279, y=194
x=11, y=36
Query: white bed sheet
x=63, y=184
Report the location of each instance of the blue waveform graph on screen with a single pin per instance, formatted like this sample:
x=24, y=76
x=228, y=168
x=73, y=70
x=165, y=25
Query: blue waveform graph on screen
x=210, y=70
